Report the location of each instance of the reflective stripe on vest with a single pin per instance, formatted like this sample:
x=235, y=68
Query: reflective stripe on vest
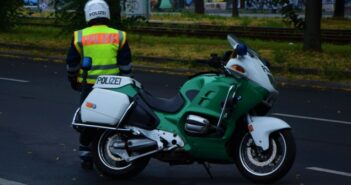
x=101, y=43
x=100, y=38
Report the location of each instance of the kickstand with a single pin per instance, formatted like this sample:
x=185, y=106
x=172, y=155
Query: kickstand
x=207, y=168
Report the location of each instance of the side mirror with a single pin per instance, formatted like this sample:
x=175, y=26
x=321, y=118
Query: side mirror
x=215, y=61
x=227, y=56
x=87, y=63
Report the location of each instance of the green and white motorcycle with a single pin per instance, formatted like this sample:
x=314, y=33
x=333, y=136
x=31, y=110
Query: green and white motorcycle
x=215, y=118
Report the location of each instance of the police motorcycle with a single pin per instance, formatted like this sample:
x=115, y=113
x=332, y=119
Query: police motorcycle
x=214, y=118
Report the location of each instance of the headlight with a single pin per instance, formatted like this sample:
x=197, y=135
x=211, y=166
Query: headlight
x=237, y=68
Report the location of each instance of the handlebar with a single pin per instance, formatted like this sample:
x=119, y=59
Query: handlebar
x=219, y=62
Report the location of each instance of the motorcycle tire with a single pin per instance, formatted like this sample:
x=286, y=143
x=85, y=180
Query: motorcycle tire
x=111, y=165
x=265, y=166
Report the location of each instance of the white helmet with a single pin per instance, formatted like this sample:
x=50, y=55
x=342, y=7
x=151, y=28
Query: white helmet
x=96, y=9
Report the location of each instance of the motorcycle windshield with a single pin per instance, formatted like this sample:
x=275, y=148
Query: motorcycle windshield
x=255, y=68
x=234, y=42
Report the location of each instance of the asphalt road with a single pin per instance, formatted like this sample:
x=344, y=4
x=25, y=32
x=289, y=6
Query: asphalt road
x=38, y=146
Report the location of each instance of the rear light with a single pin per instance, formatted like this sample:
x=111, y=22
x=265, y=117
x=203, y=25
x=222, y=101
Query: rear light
x=90, y=105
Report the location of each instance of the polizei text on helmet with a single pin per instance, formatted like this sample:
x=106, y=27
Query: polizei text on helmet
x=93, y=14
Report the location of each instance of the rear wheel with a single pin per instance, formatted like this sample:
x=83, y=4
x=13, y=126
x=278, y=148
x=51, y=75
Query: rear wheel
x=109, y=163
x=266, y=166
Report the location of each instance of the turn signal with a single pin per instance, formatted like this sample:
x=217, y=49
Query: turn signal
x=238, y=68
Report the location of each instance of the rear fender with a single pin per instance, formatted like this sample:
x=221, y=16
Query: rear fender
x=260, y=128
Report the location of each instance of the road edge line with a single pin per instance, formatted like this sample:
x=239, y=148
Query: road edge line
x=8, y=182
x=14, y=80
x=312, y=118
x=324, y=170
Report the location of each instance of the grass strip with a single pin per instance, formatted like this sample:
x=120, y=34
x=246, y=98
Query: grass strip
x=255, y=21
x=284, y=55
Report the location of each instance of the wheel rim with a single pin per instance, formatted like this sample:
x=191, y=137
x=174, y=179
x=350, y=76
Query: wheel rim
x=109, y=159
x=259, y=162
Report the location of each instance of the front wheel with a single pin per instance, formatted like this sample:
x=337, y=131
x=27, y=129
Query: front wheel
x=266, y=166
x=109, y=163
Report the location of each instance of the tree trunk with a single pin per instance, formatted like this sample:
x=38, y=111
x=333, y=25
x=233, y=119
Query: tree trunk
x=242, y=3
x=181, y=4
x=312, y=36
x=339, y=10
x=235, y=11
x=199, y=7
x=115, y=12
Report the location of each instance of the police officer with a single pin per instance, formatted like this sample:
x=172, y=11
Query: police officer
x=110, y=53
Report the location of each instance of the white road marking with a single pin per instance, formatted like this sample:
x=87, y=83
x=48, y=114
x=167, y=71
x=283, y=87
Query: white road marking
x=14, y=80
x=329, y=171
x=8, y=182
x=312, y=118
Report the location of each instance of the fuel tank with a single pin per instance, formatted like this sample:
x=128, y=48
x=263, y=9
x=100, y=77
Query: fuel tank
x=206, y=93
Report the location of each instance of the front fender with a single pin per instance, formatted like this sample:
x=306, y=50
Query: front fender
x=260, y=127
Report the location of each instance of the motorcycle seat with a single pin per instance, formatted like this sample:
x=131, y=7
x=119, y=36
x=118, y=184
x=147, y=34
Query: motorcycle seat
x=170, y=105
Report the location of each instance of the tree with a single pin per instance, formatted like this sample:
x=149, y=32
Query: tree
x=70, y=13
x=235, y=11
x=242, y=3
x=10, y=10
x=339, y=10
x=289, y=14
x=312, y=35
x=199, y=7
x=115, y=8
x=178, y=4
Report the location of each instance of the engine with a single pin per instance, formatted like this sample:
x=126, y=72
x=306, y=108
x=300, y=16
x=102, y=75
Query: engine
x=197, y=125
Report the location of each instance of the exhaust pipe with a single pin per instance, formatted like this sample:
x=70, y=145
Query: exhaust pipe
x=137, y=145
x=141, y=144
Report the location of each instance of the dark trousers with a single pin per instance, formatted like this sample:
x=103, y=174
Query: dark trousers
x=87, y=135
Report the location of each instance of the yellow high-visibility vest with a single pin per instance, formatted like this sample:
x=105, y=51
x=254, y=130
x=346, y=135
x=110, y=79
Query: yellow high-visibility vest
x=101, y=43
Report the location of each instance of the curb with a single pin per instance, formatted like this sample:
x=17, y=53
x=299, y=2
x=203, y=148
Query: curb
x=188, y=72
